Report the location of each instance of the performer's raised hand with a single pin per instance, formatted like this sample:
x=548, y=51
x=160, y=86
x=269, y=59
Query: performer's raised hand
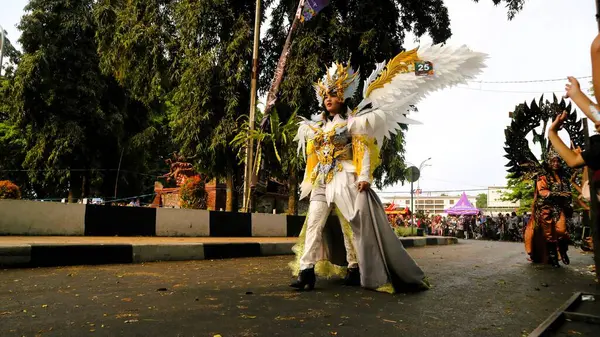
x=572, y=88
x=363, y=186
x=558, y=121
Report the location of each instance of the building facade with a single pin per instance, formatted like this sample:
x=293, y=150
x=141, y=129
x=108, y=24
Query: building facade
x=433, y=205
x=496, y=204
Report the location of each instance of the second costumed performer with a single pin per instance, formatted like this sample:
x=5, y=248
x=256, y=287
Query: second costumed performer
x=341, y=147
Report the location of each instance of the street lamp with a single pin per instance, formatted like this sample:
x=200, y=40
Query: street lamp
x=412, y=192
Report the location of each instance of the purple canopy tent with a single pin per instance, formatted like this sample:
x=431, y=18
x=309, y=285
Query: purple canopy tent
x=462, y=207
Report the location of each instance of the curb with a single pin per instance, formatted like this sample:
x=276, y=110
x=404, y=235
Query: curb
x=53, y=255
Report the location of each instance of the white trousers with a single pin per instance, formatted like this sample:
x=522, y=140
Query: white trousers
x=318, y=212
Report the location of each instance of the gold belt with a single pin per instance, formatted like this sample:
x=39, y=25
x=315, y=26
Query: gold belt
x=330, y=162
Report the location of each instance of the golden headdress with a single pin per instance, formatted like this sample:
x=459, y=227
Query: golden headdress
x=340, y=80
x=551, y=154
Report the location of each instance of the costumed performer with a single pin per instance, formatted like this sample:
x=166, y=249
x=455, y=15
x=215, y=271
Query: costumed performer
x=546, y=233
x=341, y=148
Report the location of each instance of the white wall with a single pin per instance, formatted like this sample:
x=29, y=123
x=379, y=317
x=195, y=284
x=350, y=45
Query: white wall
x=182, y=222
x=495, y=195
x=23, y=217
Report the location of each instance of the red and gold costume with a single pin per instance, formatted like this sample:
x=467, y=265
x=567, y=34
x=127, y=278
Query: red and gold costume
x=546, y=233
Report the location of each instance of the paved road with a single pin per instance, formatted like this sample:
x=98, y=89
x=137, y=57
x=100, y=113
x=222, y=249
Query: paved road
x=480, y=289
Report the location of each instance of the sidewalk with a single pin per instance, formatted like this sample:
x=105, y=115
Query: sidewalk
x=45, y=251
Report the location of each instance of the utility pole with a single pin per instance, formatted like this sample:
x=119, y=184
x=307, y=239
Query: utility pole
x=412, y=208
x=2, y=41
x=248, y=173
x=595, y=226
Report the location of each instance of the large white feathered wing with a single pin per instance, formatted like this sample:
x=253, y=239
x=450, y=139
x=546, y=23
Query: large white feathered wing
x=393, y=87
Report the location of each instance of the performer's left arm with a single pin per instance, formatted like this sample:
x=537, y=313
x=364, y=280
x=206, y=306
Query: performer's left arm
x=364, y=178
x=365, y=153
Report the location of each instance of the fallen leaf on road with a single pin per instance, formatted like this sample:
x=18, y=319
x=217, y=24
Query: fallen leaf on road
x=283, y=318
x=217, y=336
x=44, y=305
x=573, y=332
x=126, y=315
x=333, y=333
x=387, y=320
x=126, y=299
x=248, y=316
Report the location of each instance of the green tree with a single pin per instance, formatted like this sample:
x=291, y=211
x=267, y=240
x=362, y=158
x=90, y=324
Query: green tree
x=75, y=121
x=481, y=201
x=192, y=61
x=364, y=33
x=213, y=91
x=11, y=140
x=278, y=150
x=521, y=191
x=513, y=6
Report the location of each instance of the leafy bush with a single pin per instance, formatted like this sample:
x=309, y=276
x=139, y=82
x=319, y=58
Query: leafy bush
x=405, y=231
x=8, y=190
x=192, y=193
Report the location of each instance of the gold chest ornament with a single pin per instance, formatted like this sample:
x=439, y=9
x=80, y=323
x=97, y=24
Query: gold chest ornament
x=331, y=147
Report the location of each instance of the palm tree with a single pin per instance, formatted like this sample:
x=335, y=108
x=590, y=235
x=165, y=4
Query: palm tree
x=278, y=139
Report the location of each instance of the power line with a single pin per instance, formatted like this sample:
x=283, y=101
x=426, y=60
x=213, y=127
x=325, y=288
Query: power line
x=83, y=170
x=529, y=81
x=444, y=191
x=515, y=91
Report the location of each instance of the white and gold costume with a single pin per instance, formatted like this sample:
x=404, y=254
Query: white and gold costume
x=340, y=152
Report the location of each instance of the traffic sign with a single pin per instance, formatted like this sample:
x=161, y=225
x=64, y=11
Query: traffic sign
x=412, y=174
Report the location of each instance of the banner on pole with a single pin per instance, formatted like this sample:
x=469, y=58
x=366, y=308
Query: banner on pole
x=312, y=8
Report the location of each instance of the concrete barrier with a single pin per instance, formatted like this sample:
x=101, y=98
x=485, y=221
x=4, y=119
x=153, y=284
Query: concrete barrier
x=264, y=224
x=182, y=222
x=23, y=217
x=15, y=255
x=171, y=252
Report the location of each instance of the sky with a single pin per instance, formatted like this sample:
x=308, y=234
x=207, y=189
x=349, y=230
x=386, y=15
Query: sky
x=463, y=127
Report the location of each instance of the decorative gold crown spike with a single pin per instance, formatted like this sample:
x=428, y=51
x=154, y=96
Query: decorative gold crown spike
x=339, y=79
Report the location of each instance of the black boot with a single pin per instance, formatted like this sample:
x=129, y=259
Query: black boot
x=352, y=277
x=306, y=278
x=563, y=246
x=553, y=254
